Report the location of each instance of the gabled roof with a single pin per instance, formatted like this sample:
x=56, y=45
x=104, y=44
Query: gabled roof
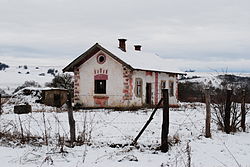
x=88, y=54
x=135, y=60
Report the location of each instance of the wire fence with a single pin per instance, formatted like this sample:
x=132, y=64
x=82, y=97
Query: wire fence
x=97, y=126
x=104, y=126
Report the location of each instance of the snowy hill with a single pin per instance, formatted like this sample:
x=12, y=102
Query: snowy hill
x=15, y=76
x=210, y=77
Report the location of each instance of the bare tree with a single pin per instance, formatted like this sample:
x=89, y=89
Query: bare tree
x=62, y=81
x=226, y=111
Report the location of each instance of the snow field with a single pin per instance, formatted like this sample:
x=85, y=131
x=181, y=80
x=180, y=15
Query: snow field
x=104, y=127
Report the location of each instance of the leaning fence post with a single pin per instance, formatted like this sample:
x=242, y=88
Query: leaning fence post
x=165, y=122
x=243, y=111
x=147, y=123
x=208, y=113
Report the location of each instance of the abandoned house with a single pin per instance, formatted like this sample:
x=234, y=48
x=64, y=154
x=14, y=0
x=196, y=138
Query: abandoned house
x=121, y=77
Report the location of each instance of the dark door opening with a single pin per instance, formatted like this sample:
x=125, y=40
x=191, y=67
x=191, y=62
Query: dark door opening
x=148, y=93
x=57, y=100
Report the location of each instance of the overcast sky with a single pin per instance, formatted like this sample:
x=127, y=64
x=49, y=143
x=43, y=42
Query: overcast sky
x=203, y=35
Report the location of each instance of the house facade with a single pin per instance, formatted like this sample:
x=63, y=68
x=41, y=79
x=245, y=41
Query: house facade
x=116, y=77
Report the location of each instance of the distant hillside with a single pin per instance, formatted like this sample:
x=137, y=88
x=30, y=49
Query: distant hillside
x=14, y=76
x=191, y=87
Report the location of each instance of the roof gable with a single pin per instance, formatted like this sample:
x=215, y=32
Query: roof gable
x=88, y=54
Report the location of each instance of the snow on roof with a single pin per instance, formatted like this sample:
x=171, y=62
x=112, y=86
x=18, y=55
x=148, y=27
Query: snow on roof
x=39, y=89
x=143, y=60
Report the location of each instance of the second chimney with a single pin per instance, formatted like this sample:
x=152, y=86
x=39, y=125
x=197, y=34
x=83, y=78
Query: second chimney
x=137, y=47
x=122, y=44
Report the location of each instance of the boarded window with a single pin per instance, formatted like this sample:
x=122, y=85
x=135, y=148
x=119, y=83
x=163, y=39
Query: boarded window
x=171, y=88
x=138, y=87
x=100, y=86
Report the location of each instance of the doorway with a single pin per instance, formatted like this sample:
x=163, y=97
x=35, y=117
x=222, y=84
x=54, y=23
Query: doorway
x=57, y=100
x=148, y=93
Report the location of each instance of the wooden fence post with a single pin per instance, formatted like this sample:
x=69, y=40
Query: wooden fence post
x=165, y=122
x=243, y=111
x=71, y=119
x=228, y=111
x=208, y=114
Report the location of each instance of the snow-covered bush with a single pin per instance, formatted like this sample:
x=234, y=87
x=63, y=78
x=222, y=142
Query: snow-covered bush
x=3, y=66
x=27, y=84
x=52, y=71
x=2, y=92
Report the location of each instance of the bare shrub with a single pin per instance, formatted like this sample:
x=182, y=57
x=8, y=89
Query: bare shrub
x=84, y=136
x=219, y=113
x=174, y=140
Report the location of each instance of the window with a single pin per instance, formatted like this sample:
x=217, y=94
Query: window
x=100, y=86
x=101, y=58
x=171, y=88
x=138, y=87
x=163, y=84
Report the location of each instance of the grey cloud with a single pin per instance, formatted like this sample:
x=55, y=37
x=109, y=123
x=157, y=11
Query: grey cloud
x=188, y=30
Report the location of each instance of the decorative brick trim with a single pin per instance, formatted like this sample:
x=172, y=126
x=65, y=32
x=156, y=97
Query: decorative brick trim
x=149, y=73
x=100, y=71
x=101, y=77
x=176, y=89
x=127, y=84
x=156, y=87
x=76, y=85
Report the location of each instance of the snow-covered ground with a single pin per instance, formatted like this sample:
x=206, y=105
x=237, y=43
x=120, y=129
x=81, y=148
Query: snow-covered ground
x=102, y=128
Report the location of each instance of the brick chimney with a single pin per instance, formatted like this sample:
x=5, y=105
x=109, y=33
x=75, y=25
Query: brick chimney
x=137, y=47
x=122, y=44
